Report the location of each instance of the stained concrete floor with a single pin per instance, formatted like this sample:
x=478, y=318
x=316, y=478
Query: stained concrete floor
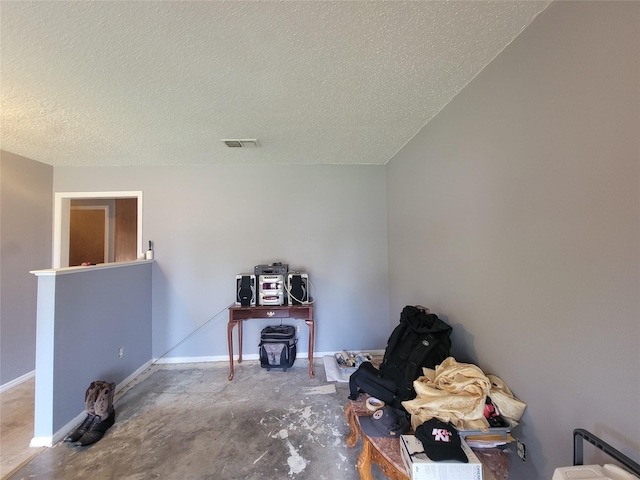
x=188, y=421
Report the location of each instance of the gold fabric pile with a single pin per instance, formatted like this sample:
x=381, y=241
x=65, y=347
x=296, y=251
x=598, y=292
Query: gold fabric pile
x=456, y=392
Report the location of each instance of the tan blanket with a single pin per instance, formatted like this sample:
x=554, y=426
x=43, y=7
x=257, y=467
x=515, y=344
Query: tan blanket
x=452, y=392
x=508, y=405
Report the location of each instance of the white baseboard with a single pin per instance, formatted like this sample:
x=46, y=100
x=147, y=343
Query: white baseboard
x=17, y=381
x=37, y=442
x=207, y=359
x=132, y=377
x=251, y=356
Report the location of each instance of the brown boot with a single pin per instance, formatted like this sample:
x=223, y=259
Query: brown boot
x=105, y=415
x=97, y=429
x=89, y=399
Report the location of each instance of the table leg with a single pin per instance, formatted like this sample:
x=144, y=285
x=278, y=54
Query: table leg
x=364, y=461
x=311, y=326
x=239, y=341
x=352, y=438
x=230, y=340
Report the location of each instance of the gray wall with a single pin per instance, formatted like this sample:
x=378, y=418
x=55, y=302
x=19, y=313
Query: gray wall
x=515, y=215
x=209, y=223
x=25, y=244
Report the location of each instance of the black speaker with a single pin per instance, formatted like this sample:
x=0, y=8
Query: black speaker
x=298, y=288
x=246, y=290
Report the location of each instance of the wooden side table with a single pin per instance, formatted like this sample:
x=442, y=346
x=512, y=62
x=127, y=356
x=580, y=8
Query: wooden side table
x=238, y=314
x=385, y=451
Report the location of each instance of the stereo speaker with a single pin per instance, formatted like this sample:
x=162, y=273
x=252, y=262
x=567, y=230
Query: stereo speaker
x=298, y=288
x=246, y=290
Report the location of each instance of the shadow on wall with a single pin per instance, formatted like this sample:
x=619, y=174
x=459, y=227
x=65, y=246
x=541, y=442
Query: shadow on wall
x=462, y=343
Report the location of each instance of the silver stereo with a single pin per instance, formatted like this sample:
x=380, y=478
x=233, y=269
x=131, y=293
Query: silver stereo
x=271, y=289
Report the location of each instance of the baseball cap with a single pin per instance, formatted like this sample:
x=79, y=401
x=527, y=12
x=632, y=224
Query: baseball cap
x=441, y=441
x=385, y=422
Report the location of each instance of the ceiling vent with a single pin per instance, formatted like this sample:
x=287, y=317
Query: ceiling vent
x=241, y=142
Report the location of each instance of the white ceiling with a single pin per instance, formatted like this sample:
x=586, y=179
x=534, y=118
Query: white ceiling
x=161, y=83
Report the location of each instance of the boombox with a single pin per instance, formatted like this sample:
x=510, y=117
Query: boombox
x=246, y=290
x=298, y=288
x=272, y=285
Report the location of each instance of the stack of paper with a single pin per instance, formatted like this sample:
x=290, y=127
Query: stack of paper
x=488, y=440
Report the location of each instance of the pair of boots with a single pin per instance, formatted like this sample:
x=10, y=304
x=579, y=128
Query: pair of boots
x=100, y=414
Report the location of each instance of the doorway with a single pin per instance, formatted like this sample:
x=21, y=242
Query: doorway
x=97, y=227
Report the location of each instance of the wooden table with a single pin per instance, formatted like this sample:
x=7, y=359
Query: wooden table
x=238, y=314
x=385, y=451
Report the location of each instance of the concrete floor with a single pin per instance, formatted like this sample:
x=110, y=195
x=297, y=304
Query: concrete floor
x=188, y=421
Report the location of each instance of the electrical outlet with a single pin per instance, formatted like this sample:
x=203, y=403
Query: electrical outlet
x=521, y=450
x=297, y=327
x=121, y=352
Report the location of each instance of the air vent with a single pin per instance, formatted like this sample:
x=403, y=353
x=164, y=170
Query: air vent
x=241, y=142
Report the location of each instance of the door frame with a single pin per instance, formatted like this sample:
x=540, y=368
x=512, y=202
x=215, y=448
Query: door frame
x=62, y=207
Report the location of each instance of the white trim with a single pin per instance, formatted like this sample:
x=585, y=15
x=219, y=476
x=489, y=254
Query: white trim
x=133, y=376
x=252, y=356
x=37, y=442
x=60, y=215
x=176, y=360
x=17, y=381
x=52, y=272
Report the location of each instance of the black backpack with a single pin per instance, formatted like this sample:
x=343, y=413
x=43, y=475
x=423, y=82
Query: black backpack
x=278, y=347
x=421, y=340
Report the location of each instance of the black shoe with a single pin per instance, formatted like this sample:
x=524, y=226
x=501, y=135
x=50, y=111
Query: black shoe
x=81, y=430
x=97, y=429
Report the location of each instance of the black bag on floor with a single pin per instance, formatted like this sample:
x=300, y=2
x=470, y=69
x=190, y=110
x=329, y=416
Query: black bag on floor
x=420, y=340
x=278, y=347
x=367, y=379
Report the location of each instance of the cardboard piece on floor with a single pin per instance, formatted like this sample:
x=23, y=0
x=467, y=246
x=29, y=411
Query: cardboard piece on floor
x=334, y=372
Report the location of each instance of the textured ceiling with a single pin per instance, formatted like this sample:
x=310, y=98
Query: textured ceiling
x=161, y=83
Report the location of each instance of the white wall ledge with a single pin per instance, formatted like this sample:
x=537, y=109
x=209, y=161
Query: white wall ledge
x=99, y=266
